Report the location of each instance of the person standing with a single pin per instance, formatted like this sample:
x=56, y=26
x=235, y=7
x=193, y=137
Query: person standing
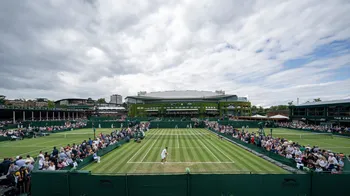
x=164, y=154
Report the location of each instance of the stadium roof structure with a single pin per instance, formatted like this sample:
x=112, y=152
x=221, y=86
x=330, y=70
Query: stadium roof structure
x=72, y=99
x=184, y=94
x=341, y=101
x=111, y=108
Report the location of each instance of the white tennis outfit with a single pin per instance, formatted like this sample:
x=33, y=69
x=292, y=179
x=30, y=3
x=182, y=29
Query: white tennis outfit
x=163, y=154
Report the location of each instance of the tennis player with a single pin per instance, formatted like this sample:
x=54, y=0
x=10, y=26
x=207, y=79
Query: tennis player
x=164, y=154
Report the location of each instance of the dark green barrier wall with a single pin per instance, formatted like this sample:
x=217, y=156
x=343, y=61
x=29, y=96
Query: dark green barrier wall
x=243, y=184
x=171, y=124
x=97, y=185
x=239, y=124
x=324, y=184
x=50, y=183
x=107, y=124
x=82, y=183
x=172, y=185
x=3, y=138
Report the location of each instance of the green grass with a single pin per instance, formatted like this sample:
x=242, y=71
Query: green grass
x=335, y=143
x=46, y=144
x=197, y=149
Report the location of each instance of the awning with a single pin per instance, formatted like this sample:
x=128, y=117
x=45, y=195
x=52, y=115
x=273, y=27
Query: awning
x=278, y=116
x=259, y=116
x=182, y=109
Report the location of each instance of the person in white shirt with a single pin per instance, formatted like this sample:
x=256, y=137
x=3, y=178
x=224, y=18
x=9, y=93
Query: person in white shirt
x=164, y=154
x=332, y=158
x=96, y=158
x=297, y=152
x=51, y=167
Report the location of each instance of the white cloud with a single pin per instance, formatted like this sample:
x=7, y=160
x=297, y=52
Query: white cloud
x=94, y=50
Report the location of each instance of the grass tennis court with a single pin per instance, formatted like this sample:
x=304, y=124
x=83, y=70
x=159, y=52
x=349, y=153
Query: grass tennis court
x=324, y=141
x=46, y=143
x=197, y=149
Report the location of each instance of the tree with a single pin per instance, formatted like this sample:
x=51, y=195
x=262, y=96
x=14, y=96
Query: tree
x=317, y=100
x=101, y=100
x=290, y=103
x=2, y=99
x=50, y=104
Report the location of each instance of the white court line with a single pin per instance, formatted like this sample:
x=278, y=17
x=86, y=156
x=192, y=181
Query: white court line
x=208, y=149
x=150, y=149
x=137, y=152
x=183, y=162
x=220, y=151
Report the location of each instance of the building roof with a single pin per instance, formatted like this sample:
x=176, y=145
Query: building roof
x=325, y=102
x=111, y=108
x=184, y=94
x=71, y=99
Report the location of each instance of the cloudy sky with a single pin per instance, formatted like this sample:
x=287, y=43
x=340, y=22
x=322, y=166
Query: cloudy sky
x=271, y=51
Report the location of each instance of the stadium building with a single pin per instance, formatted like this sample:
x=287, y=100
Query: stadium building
x=189, y=103
x=336, y=112
x=75, y=103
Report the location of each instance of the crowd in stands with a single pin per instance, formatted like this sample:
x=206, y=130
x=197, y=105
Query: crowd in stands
x=307, y=158
x=17, y=171
x=322, y=128
x=5, y=122
x=72, y=155
x=21, y=133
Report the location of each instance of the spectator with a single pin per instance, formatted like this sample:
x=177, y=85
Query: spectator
x=313, y=158
x=30, y=159
x=96, y=158
x=20, y=162
x=51, y=166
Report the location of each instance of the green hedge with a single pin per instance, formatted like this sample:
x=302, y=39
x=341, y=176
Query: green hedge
x=239, y=124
